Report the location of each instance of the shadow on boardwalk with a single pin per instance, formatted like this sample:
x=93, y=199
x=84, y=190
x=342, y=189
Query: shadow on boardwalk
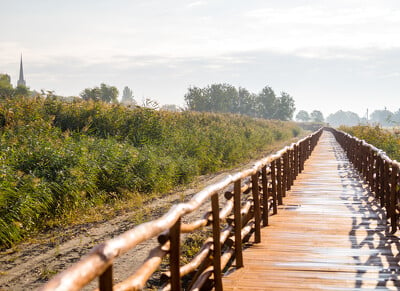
x=379, y=249
x=335, y=239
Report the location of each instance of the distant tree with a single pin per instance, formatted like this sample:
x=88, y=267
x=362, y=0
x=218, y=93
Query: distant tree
x=302, y=115
x=317, y=116
x=105, y=93
x=109, y=94
x=213, y=98
x=396, y=117
x=382, y=117
x=284, y=107
x=127, y=96
x=197, y=99
x=223, y=98
x=267, y=103
x=247, y=102
x=343, y=118
x=91, y=94
x=226, y=98
x=6, y=89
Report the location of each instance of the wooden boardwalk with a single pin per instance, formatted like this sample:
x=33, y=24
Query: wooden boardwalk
x=330, y=234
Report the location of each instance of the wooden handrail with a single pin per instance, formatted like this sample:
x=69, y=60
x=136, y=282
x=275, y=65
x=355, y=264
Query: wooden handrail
x=266, y=184
x=378, y=170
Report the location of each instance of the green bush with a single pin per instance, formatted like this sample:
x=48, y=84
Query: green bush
x=56, y=156
x=381, y=138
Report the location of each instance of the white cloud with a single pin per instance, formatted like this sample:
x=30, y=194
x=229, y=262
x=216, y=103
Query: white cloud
x=196, y=3
x=345, y=48
x=320, y=27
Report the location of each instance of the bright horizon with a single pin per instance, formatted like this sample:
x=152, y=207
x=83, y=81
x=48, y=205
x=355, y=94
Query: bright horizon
x=328, y=55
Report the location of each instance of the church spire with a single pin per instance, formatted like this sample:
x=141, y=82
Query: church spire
x=21, y=81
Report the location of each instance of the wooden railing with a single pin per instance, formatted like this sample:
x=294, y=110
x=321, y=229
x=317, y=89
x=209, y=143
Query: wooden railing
x=248, y=197
x=378, y=170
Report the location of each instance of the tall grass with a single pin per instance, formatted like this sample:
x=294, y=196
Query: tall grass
x=384, y=139
x=57, y=156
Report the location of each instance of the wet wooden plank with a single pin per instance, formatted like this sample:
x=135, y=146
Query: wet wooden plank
x=330, y=234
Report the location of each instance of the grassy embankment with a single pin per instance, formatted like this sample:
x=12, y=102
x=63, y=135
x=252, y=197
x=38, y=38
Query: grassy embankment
x=58, y=159
x=386, y=140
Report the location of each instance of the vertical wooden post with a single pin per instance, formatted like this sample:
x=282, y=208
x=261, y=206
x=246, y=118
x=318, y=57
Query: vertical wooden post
x=238, y=223
x=360, y=157
x=296, y=166
x=364, y=158
x=284, y=174
x=106, y=280
x=302, y=156
x=377, y=177
x=372, y=169
x=216, y=242
x=279, y=180
x=393, y=198
x=289, y=170
x=174, y=255
x=382, y=181
x=274, y=188
x=265, y=195
x=387, y=189
x=257, y=212
x=299, y=157
x=293, y=165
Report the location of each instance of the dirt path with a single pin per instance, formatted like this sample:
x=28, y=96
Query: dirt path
x=30, y=265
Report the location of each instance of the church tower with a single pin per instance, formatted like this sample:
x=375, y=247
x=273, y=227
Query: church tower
x=21, y=81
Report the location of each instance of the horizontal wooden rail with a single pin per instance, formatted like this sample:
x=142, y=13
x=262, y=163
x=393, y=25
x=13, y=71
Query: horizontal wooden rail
x=249, y=195
x=378, y=170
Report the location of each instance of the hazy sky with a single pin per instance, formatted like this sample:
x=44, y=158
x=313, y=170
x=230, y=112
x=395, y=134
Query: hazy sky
x=329, y=55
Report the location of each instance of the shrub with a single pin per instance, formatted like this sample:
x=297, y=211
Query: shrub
x=56, y=157
x=378, y=137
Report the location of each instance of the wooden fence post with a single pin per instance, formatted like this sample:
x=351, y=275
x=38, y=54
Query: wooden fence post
x=393, y=197
x=238, y=223
x=174, y=255
x=257, y=212
x=216, y=242
x=293, y=174
x=106, y=280
x=372, y=169
x=265, y=195
x=382, y=182
x=284, y=173
x=279, y=180
x=274, y=188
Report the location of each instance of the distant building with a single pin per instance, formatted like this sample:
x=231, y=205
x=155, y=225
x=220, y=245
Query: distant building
x=21, y=80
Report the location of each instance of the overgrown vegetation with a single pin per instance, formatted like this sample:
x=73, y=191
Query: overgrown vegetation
x=59, y=156
x=386, y=140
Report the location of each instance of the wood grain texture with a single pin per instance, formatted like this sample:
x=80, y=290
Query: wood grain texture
x=329, y=234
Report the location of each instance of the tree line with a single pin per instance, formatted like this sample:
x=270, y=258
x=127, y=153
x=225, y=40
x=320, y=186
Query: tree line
x=314, y=116
x=382, y=117
x=226, y=98
x=222, y=98
x=104, y=92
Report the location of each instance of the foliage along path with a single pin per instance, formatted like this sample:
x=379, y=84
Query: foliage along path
x=330, y=234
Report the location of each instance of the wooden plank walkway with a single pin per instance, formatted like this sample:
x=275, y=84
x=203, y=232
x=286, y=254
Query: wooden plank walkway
x=330, y=234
